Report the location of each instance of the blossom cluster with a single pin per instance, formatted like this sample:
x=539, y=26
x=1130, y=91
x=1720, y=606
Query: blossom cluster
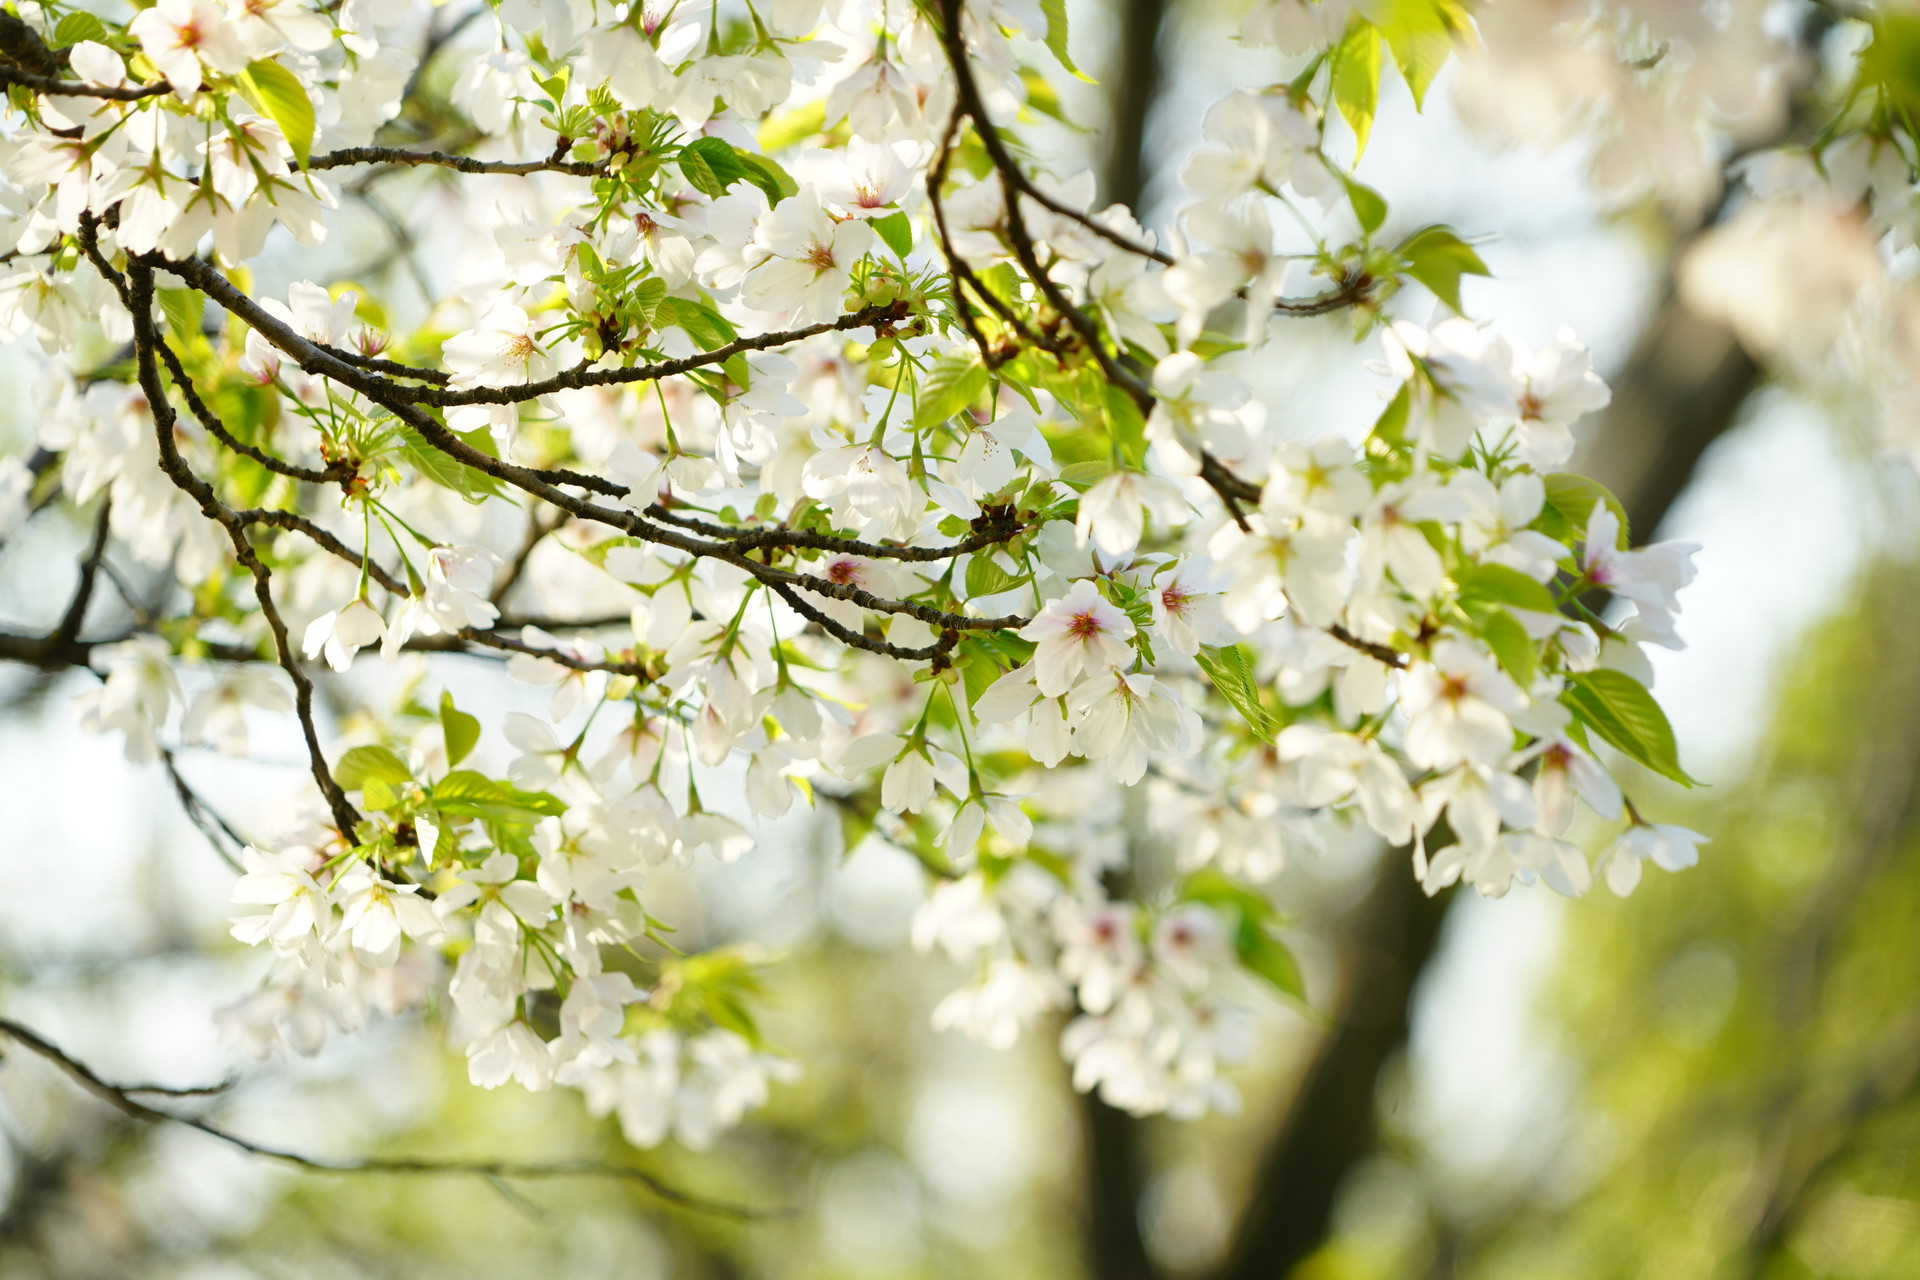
x=859, y=465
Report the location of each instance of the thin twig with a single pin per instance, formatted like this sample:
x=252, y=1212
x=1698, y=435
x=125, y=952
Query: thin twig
x=120, y=1098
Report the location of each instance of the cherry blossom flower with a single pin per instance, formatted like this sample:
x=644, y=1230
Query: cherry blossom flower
x=187, y=38
x=1114, y=510
x=809, y=259
x=1079, y=632
x=1459, y=706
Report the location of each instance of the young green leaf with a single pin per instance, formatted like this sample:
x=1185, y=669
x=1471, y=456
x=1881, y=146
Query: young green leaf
x=1511, y=645
x=896, y=232
x=279, y=93
x=1231, y=672
x=1497, y=584
x=362, y=763
x=712, y=165
x=1570, y=500
x=1369, y=206
x=460, y=730
x=1356, y=80
x=1055, y=12
x=1619, y=708
x=1421, y=34
x=985, y=578
x=950, y=386
x=1437, y=258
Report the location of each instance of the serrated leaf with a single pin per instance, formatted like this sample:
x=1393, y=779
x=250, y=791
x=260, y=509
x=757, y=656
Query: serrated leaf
x=765, y=174
x=950, y=386
x=1369, y=206
x=644, y=299
x=1512, y=646
x=703, y=324
x=1437, y=258
x=466, y=794
x=1083, y=475
x=1498, y=584
x=985, y=578
x=460, y=730
x=183, y=309
x=360, y=764
x=444, y=469
x=1569, y=506
x=279, y=93
x=1421, y=35
x=1055, y=12
x=1126, y=424
x=1231, y=672
x=1618, y=708
x=77, y=26
x=1263, y=954
x=896, y=231
x=1391, y=425
x=711, y=165
x=1356, y=80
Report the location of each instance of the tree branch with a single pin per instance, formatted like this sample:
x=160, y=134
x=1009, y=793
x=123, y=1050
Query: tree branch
x=121, y=1098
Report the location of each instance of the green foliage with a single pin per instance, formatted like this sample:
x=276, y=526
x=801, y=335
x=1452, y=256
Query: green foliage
x=1619, y=708
x=1231, y=670
x=279, y=94
x=1250, y=916
x=1570, y=501
x=1437, y=258
x=1356, y=80
x=359, y=764
x=949, y=387
x=460, y=730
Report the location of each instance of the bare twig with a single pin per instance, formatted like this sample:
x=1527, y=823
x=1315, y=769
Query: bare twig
x=121, y=1098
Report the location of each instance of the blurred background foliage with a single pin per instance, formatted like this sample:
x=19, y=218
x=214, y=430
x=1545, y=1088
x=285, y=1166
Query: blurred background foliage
x=1716, y=1077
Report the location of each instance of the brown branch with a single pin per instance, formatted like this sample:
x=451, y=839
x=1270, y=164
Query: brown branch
x=10, y=75
x=121, y=1098
x=138, y=297
x=401, y=157
x=297, y=523
x=587, y=376
x=332, y=474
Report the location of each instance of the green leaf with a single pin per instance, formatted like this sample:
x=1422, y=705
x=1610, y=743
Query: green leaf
x=1126, y=424
x=1231, y=672
x=358, y=765
x=950, y=386
x=712, y=165
x=466, y=794
x=1437, y=258
x=1569, y=506
x=1369, y=206
x=896, y=231
x=1356, y=80
x=1511, y=645
x=1421, y=34
x=1055, y=12
x=1084, y=475
x=444, y=469
x=279, y=93
x=460, y=730
x=767, y=175
x=77, y=26
x=703, y=324
x=1497, y=584
x=1619, y=708
x=644, y=299
x=1249, y=914
x=985, y=578
x=182, y=308
x=1263, y=954
x=1391, y=425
